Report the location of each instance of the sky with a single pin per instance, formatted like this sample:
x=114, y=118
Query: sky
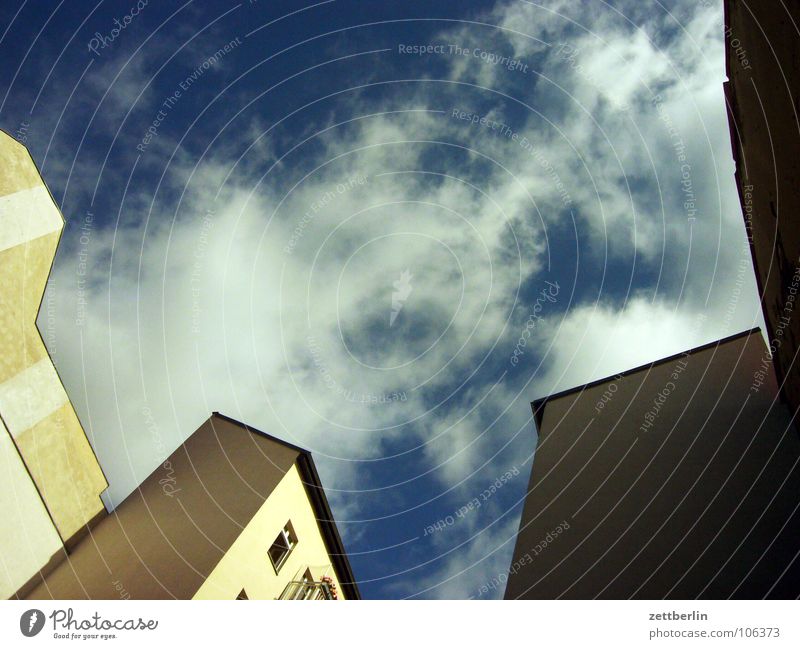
x=377, y=230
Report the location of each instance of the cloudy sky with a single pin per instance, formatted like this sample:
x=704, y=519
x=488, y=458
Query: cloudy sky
x=378, y=230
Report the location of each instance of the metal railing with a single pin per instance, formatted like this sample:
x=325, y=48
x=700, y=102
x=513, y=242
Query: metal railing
x=308, y=590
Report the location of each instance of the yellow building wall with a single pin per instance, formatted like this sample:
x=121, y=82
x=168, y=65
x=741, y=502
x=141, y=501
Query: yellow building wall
x=28, y=538
x=247, y=566
x=34, y=408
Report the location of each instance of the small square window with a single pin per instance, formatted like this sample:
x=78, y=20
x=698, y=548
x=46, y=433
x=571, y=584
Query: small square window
x=282, y=546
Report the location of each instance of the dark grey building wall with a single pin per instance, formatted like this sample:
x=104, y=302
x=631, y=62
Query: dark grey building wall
x=763, y=94
x=693, y=493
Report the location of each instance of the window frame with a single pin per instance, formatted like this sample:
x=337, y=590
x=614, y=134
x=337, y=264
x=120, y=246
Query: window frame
x=288, y=538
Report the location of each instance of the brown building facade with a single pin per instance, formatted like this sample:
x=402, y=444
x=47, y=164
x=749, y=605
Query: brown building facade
x=762, y=41
x=678, y=480
x=233, y=513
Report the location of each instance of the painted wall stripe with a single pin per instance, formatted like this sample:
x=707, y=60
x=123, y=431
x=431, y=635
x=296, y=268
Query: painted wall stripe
x=27, y=215
x=30, y=396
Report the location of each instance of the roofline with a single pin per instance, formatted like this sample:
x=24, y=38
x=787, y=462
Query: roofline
x=333, y=541
x=538, y=405
x=322, y=509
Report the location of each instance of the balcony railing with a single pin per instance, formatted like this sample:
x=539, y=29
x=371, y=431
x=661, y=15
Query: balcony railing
x=309, y=590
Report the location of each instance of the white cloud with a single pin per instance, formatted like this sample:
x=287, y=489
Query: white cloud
x=206, y=309
x=597, y=341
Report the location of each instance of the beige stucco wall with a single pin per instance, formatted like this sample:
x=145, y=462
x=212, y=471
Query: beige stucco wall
x=58, y=463
x=246, y=564
x=28, y=538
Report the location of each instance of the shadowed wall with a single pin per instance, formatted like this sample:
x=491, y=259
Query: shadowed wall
x=676, y=480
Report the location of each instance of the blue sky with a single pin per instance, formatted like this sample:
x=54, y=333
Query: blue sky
x=377, y=230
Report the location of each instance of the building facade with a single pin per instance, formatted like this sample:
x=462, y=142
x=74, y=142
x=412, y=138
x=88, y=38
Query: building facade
x=763, y=94
x=50, y=480
x=233, y=513
x=677, y=480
